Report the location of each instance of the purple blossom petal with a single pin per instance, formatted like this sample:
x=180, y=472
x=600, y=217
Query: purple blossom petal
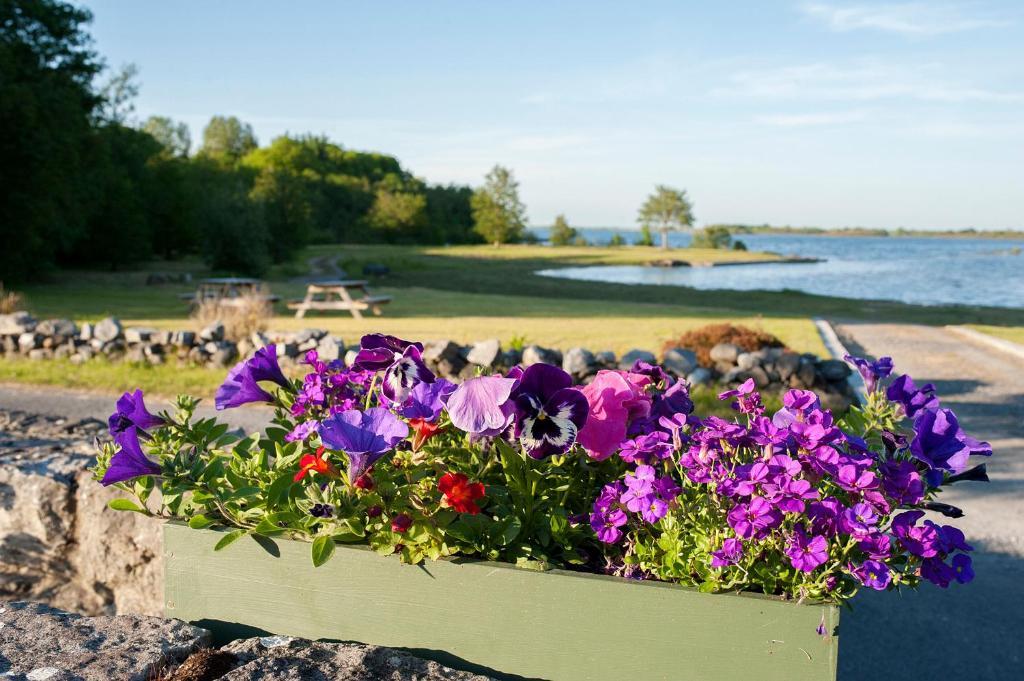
x=129, y=461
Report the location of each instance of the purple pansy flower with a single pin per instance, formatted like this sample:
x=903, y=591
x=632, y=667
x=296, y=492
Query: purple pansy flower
x=131, y=412
x=871, y=372
x=483, y=405
x=806, y=552
x=365, y=436
x=427, y=400
x=729, y=554
x=401, y=361
x=378, y=351
x=549, y=412
x=129, y=461
x=242, y=384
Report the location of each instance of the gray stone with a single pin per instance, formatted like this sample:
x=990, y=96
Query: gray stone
x=57, y=327
x=161, y=337
x=259, y=339
x=606, y=358
x=833, y=370
x=212, y=332
x=16, y=323
x=107, y=330
x=330, y=348
x=86, y=331
x=725, y=353
x=804, y=376
x=29, y=340
x=760, y=376
x=277, y=658
x=749, y=360
x=627, y=361
x=437, y=350
x=535, y=354
x=350, y=357
x=787, y=364
x=138, y=334
x=223, y=353
x=579, y=362
x=40, y=353
x=680, y=361
x=37, y=639
x=304, y=336
x=485, y=353
x=699, y=376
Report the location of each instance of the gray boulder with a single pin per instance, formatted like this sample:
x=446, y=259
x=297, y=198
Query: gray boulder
x=212, y=332
x=485, y=353
x=445, y=356
x=279, y=658
x=107, y=330
x=350, y=357
x=330, y=348
x=627, y=361
x=833, y=370
x=787, y=364
x=57, y=327
x=578, y=362
x=535, y=354
x=16, y=323
x=725, y=353
x=699, y=376
x=40, y=642
x=606, y=358
x=680, y=361
x=29, y=341
x=749, y=360
x=183, y=339
x=138, y=334
x=86, y=332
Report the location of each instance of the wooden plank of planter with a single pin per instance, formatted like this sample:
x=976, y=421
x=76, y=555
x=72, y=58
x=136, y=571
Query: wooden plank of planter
x=494, y=618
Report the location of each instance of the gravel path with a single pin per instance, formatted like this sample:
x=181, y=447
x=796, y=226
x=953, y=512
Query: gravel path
x=974, y=631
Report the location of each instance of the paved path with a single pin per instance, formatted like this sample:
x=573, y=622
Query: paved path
x=972, y=631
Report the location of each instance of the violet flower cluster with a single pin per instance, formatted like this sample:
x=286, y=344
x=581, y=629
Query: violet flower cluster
x=619, y=475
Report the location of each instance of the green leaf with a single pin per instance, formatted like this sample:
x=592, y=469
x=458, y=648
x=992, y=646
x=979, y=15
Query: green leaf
x=510, y=529
x=277, y=492
x=126, y=505
x=323, y=549
x=198, y=522
x=229, y=538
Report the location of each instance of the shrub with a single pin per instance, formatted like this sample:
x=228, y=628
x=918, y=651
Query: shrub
x=10, y=301
x=241, y=316
x=702, y=339
x=712, y=237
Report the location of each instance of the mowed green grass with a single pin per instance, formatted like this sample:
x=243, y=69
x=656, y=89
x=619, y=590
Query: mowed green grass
x=1014, y=334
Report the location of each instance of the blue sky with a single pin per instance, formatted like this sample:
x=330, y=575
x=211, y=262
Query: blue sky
x=804, y=113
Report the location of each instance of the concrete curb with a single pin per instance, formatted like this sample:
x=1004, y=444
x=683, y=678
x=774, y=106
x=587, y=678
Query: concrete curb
x=836, y=348
x=1009, y=347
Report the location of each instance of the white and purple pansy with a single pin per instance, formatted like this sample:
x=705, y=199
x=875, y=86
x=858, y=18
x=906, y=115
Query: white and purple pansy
x=401, y=361
x=549, y=411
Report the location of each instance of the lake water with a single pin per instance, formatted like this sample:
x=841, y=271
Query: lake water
x=922, y=270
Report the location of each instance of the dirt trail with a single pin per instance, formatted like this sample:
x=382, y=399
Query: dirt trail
x=974, y=631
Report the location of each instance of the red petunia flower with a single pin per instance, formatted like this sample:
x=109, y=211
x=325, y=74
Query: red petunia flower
x=422, y=430
x=460, y=493
x=400, y=523
x=316, y=463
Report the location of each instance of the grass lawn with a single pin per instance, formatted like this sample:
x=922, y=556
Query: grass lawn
x=468, y=293
x=1014, y=334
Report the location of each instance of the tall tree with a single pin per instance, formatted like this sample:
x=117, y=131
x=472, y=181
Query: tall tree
x=227, y=138
x=173, y=137
x=118, y=96
x=665, y=210
x=561, y=233
x=46, y=102
x=498, y=214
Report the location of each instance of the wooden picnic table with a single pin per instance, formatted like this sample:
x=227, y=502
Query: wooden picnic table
x=337, y=295
x=228, y=290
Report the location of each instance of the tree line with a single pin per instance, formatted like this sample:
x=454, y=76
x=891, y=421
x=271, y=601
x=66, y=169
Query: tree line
x=81, y=184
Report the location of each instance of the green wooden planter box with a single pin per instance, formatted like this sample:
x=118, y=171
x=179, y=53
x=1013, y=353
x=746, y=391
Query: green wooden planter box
x=494, y=618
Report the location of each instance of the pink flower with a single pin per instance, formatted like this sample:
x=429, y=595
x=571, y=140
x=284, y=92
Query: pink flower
x=615, y=399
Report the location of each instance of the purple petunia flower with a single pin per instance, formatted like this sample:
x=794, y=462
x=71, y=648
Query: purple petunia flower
x=873, y=574
x=131, y=412
x=549, y=412
x=483, y=405
x=902, y=482
x=806, y=552
x=913, y=400
x=942, y=444
x=729, y=554
x=242, y=384
x=129, y=461
x=871, y=372
x=365, y=436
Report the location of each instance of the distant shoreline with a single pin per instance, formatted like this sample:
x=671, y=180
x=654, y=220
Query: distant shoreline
x=740, y=230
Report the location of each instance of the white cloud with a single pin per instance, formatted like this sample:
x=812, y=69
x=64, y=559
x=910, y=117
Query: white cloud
x=911, y=18
x=862, y=81
x=804, y=120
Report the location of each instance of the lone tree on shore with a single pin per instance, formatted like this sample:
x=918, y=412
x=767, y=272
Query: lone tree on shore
x=561, y=233
x=666, y=209
x=498, y=214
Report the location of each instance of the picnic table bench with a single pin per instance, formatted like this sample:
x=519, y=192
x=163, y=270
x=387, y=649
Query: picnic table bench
x=228, y=291
x=336, y=295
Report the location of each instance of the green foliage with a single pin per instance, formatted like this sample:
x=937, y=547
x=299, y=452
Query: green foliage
x=173, y=137
x=498, y=214
x=616, y=240
x=646, y=238
x=711, y=237
x=227, y=139
x=561, y=233
x=664, y=210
